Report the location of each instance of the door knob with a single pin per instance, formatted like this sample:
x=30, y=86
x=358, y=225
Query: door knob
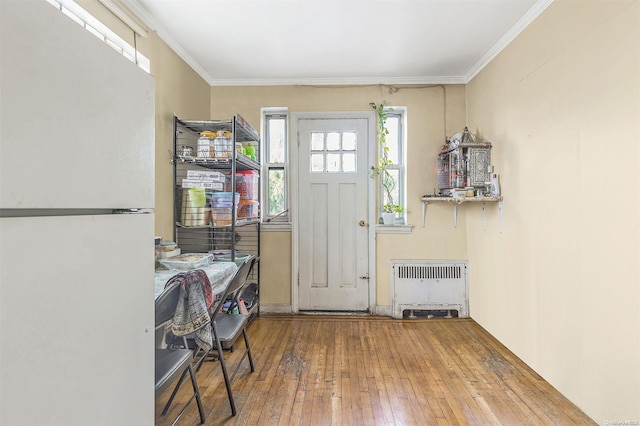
x=364, y=277
x=363, y=223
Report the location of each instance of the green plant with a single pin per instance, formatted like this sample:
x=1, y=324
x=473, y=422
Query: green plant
x=380, y=170
x=389, y=208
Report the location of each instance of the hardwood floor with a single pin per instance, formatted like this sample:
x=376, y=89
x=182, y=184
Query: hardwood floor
x=318, y=370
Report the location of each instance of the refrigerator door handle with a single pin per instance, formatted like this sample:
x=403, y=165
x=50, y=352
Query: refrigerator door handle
x=132, y=211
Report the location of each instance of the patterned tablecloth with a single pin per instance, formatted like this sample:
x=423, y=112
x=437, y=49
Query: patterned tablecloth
x=218, y=272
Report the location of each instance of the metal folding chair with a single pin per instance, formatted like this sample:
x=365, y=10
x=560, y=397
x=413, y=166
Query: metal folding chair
x=172, y=363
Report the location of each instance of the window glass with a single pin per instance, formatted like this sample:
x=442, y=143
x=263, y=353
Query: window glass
x=393, y=185
x=333, y=141
x=333, y=162
x=276, y=200
x=338, y=155
x=392, y=138
x=317, y=163
x=276, y=140
x=101, y=31
x=348, y=162
x=349, y=141
x=317, y=141
x=274, y=135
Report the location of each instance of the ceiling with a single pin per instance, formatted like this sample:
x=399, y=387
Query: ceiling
x=274, y=42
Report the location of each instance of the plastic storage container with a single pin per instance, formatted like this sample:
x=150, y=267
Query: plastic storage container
x=247, y=184
x=223, y=199
x=192, y=214
x=248, y=209
x=221, y=216
x=249, y=150
x=205, y=144
x=223, y=145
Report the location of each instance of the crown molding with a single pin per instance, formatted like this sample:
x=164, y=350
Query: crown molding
x=523, y=23
x=355, y=81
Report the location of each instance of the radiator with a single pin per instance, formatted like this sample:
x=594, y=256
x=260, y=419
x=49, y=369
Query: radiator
x=430, y=285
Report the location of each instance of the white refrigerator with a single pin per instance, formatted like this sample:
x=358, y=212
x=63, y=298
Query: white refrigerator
x=76, y=225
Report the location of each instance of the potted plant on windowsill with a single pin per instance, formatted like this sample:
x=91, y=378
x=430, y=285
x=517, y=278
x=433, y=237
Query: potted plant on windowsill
x=388, y=214
x=390, y=209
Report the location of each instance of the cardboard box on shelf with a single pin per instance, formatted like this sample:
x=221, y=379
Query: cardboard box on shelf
x=206, y=175
x=206, y=184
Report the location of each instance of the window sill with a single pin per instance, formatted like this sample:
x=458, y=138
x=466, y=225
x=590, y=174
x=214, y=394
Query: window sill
x=393, y=229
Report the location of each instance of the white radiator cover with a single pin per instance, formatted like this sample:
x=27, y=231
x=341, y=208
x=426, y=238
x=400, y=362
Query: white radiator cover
x=430, y=285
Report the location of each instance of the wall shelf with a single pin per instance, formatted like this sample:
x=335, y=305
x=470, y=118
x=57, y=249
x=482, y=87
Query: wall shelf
x=455, y=201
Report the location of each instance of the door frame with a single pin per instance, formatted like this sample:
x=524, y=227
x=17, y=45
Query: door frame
x=371, y=197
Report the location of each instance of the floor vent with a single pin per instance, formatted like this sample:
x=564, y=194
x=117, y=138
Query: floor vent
x=430, y=288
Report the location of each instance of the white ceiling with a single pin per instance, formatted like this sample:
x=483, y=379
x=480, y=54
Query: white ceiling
x=272, y=42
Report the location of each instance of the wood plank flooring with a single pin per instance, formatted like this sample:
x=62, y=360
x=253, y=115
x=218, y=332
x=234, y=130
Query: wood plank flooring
x=346, y=370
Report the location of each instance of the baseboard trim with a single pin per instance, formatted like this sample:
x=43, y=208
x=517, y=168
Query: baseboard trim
x=284, y=308
x=275, y=308
x=383, y=310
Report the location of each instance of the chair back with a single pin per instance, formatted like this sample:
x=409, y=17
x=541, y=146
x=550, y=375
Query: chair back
x=243, y=272
x=236, y=284
x=166, y=303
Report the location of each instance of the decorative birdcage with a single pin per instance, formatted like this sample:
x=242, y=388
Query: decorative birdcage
x=463, y=163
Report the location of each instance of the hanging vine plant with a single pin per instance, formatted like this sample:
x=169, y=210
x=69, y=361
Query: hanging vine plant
x=380, y=170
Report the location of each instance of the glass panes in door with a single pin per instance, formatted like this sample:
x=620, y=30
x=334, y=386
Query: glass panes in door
x=333, y=152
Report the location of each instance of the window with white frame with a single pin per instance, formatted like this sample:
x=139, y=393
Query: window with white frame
x=276, y=199
x=396, y=148
x=101, y=31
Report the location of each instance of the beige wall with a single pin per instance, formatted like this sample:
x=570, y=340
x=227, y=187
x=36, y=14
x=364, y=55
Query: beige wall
x=426, y=132
x=179, y=91
x=560, y=286
x=275, y=270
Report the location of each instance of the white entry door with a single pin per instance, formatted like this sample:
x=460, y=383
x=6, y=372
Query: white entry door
x=332, y=214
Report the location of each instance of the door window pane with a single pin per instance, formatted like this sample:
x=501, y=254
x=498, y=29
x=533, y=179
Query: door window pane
x=348, y=162
x=333, y=162
x=333, y=152
x=317, y=163
x=333, y=141
x=349, y=141
x=317, y=141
